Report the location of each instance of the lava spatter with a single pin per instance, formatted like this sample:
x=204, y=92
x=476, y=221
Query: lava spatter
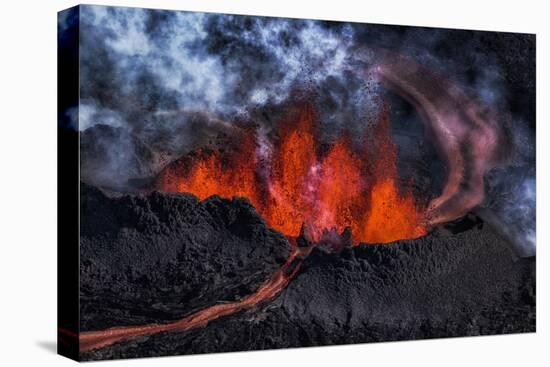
x=339, y=188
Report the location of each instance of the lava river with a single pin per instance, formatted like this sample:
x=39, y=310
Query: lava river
x=91, y=340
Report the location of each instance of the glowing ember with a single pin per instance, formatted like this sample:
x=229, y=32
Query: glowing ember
x=342, y=187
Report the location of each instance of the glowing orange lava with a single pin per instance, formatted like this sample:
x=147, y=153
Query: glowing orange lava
x=342, y=186
x=91, y=340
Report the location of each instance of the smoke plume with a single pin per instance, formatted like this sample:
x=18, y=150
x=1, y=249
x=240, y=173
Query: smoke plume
x=157, y=84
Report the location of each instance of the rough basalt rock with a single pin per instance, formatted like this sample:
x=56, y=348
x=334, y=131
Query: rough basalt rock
x=458, y=281
x=158, y=257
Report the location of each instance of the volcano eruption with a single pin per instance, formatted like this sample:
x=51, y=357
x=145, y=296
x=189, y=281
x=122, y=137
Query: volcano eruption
x=251, y=183
x=300, y=183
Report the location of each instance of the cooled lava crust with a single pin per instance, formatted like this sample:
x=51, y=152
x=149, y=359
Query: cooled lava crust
x=157, y=258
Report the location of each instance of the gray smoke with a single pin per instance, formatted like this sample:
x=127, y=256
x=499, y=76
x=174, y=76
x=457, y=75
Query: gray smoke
x=162, y=83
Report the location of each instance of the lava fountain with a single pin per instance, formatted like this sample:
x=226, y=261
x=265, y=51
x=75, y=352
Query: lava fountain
x=299, y=181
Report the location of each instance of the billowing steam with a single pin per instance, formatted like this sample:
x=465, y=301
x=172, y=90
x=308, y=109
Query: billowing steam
x=157, y=84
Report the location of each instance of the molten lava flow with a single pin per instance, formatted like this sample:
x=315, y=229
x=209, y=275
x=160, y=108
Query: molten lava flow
x=336, y=188
x=91, y=340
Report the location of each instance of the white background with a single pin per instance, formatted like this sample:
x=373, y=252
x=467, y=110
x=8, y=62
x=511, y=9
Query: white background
x=28, y=182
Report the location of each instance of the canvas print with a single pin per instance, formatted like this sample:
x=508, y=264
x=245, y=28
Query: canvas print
x=235, y=182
